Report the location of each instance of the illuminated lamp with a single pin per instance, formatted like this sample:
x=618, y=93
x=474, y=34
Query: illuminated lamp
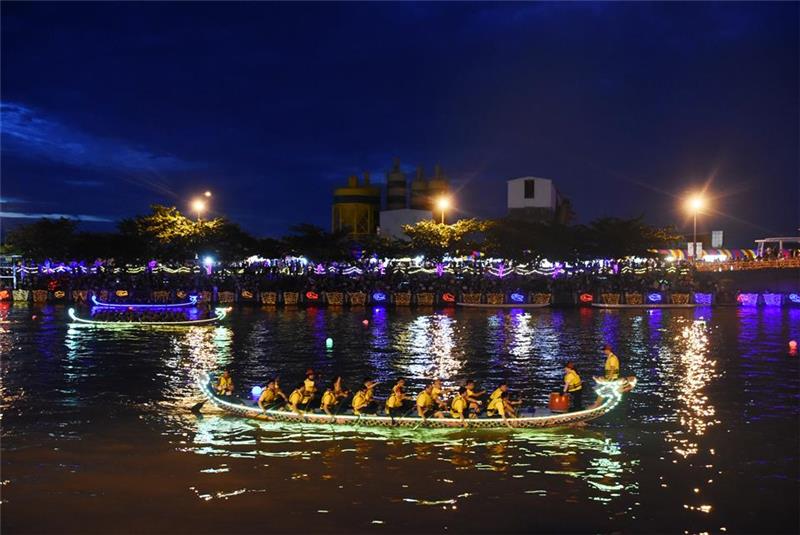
x=772, y=300
x=448, y=297
x=329, y=343
x=379, y=297
x=256, y=391
x=794, y=298
x=121, y=293
x=247, y=294
x=518, y=298
x=792, y=348
x=747, y=300
x=4, y=295
x=654, y=297
x=586, y=298
x=703, y=298
x=312, y=296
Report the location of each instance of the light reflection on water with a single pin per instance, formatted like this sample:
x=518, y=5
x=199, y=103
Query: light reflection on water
x=670, y=452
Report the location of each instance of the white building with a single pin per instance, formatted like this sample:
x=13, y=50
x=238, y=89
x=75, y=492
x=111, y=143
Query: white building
x=392, y=221
x=532, y=198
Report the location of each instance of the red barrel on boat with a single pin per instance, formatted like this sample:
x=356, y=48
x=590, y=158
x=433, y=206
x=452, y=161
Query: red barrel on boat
x=559, y=402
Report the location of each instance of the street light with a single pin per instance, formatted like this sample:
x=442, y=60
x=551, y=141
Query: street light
x=198, y=206
x=207, y=194
x=443, y=203
x=695, y=204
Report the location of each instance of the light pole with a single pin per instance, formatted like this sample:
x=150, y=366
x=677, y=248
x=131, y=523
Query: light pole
x=695, y=204
x=198, y=206
x=443, y=203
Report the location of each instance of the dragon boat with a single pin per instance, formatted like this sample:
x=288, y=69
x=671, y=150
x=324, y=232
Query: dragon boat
x=219, y=315
x=191, y=302
x=609, y=394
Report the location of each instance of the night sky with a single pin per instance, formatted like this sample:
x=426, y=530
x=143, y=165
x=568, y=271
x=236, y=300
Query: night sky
x=107, y=108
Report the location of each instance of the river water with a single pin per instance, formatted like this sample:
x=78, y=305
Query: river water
x=97, y=436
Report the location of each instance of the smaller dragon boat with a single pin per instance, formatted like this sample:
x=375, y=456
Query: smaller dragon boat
x=219, y=315
x=190, y=303
x=609, y=395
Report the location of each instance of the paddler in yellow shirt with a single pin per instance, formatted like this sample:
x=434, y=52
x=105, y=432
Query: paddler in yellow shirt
x=426, y=406
x=497, y=394
x=299, y=399
x=573, y=386
x=269, y=396
x=394, y=403
x=501, y=406
x=362, y=400
x=612, y=364
x=459, y=408
x=225, y=384
x=437, y=393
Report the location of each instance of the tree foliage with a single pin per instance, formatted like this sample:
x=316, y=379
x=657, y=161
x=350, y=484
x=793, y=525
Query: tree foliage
x=434, y=239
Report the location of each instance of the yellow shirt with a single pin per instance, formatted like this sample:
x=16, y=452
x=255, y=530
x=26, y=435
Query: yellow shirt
x=612, y=364
x=328, y=398
x=369, y=393
x=436, y=393
x=225, y=383
x=296, y=397
x=458, y=407
x=573, y=381
x=395, y=400
x=360, y=400
x=267, y=396
x=424, y=400
x=497, y=405
x=310, y=385
x=496, y=394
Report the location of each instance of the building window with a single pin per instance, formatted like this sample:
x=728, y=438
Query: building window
x=530, y=189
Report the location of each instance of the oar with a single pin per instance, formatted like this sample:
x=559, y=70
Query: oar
x=197, y=406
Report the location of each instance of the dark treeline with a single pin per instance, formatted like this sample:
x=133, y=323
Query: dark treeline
x=167, y=235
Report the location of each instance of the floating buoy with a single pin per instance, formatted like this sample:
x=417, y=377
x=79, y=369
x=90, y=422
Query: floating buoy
x=365, y=322
x=792, y=348
x=329, y=343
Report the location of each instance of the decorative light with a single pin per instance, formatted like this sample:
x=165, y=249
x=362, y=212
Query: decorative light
x=654, y=297
x=518, y=298
x=379, y=297
x=256, y=391
x=192, y=301
x=329, y=343
x=312, y=296
x=448, y=297
x=703, y=299
x=772, y=300
x=794, y=298
x=208, y=261
x=586, y=298
x=747, y=299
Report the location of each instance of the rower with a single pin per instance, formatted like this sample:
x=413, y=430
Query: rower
x=328, y=401
x=497, y=394
x=269, y=397
x=426, y=406
x=394, y=403
x=459, y=408
x=362, y=400
x=502, y=406
x=573, y=386
x=437, y=392
x=472, y=396
x=612, y=364
x=299, y=398
x=225, y=384
x=310, y=384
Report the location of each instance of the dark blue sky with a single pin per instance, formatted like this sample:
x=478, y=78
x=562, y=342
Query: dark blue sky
x=107, y=108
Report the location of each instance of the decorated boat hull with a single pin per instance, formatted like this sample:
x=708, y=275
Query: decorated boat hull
x=503, y=305
x=644, y=305
x=219, y=314
x=190, y=303
x=609, y=394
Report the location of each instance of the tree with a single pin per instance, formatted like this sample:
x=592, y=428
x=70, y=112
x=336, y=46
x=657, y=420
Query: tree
x=316, y=243
x=434, y=239
x=46, y=238
x=612, y=237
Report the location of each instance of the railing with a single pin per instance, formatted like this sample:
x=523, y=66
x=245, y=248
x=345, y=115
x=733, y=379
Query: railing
x=741, y=265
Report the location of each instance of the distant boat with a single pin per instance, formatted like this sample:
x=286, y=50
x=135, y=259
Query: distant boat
x=191, y=302
x=219, y=314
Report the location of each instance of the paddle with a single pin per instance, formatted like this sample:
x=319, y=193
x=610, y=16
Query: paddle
x=197, y=406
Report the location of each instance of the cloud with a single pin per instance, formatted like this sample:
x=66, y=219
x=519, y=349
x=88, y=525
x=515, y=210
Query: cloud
x=79, y=217
x=15, y=200
x=28, y=133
